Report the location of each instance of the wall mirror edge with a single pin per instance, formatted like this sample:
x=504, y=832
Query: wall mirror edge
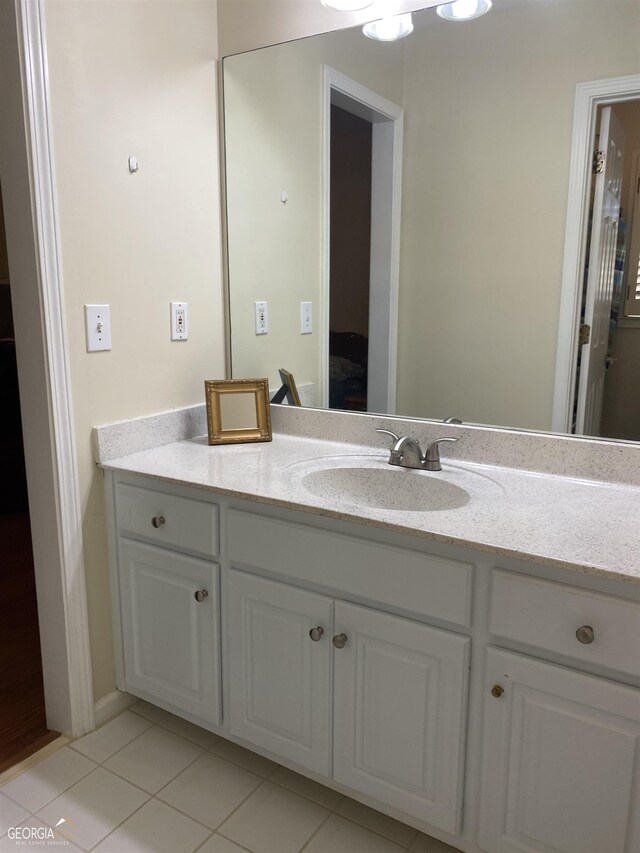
x=485, y=424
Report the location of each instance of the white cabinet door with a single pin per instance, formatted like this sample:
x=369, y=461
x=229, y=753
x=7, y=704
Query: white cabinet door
x=279, y=677
x=400, y=713
x=171, y=640
x=561, y=763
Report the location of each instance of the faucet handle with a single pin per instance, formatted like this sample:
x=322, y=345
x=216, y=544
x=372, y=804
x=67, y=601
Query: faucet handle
x=388, y=432
x=432, y=456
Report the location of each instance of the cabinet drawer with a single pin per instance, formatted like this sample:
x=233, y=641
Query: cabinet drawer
x=548, y=615
x=184, y=523
x=409, y=580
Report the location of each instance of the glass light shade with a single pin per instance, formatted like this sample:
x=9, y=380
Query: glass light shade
x=464, y=10
x=346, y=5
x=389, y=29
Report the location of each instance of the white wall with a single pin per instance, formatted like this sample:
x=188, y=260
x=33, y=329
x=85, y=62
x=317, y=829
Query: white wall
x=484, y=205
x=134, y=78
x=274, y=135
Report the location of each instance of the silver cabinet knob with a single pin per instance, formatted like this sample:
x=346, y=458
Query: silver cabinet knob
x=200, y=595
x=316, y=634
x=585, y=634
x=340, y=641
x=157, y=520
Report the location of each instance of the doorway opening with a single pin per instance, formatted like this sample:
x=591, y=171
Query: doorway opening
x=608, y=357
x=362, y=195
x=23, y=727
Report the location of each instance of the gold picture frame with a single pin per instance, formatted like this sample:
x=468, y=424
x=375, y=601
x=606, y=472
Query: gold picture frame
x=237, y=410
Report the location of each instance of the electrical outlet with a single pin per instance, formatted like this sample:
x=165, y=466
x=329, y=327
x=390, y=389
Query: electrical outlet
x=97, y=324
x=306, y=318
x=262, y=318
x=179, y=321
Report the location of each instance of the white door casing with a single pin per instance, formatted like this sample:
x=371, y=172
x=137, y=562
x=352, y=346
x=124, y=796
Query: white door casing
x=600, y=281
x=560, y=770
x=400, y=713
x=386, y=192
x=28, y=175
x=589, y=96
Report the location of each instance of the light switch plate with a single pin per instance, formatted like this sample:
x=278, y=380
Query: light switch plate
x=306, y=318
x=261, y=317
x=97, y=326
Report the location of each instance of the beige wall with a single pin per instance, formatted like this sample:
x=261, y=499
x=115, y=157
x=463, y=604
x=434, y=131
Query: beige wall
x=134, y=78
x=484, y=204
x=274, y=135
x=248, y=24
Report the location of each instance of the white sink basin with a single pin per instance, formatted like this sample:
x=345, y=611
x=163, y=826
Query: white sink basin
x=369, y=481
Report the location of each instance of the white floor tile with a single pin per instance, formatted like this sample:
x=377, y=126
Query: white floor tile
x=273, y=820
x=148, y=711
x=210, y=789
x=188, y=730
x=153, y=759
x=306, y=788
x=94, y=806
x=115, y=734
x=155, y=828
x=44, y=833
x=338, y=835
x=218, y=844
x=371, y=819
x=37, y=786
x=426, y=844
x=244, y=757
x=11, y=814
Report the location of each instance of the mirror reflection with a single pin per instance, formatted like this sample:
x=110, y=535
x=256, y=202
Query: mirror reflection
x=238, y=411
x=398, y=225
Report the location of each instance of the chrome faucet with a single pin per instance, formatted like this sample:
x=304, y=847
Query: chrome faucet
x=406, y=452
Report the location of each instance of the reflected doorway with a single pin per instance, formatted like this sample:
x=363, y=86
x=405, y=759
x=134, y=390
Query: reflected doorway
x=363, y=148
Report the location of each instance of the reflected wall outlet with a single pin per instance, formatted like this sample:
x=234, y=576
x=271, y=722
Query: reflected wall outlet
x=306, y=318
x=179, y=321
x=97, y=326
x=262, y=318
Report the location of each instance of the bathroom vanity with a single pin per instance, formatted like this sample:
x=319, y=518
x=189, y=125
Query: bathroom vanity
x=465, y=677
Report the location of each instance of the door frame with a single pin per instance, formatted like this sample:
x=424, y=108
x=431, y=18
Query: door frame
x=43, y=371
x=589, y=96
x=386, y=195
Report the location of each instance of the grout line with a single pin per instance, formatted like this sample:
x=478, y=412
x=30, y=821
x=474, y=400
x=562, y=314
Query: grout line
x=315, y=832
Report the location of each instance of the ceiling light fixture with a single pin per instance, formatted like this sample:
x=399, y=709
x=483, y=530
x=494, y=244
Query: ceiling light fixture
x=390, y=29
x=346, y=5
x=463, y=10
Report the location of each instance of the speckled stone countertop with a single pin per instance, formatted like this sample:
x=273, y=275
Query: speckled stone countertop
x=582, y=525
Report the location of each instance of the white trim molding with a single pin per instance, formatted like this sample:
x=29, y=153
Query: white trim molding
x=589, y=96
x=72, y=679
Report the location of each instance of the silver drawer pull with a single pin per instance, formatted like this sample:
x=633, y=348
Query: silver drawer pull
x=157, y=520
x=340, y=641
x=316, y=634
x=200, y=595
x=585, y=635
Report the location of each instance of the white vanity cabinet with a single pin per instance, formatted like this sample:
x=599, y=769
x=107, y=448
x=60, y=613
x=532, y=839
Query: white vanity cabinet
x=169, y=609
x=397, y=696
x=492, y=702
x=561, y=768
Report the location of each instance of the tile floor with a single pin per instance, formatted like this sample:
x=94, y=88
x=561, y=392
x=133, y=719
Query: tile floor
x=149, y=782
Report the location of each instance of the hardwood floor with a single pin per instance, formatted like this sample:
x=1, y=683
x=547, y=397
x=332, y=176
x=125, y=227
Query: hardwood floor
x=23, y=728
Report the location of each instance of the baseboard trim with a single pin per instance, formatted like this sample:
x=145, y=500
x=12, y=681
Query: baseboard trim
x=111, y=705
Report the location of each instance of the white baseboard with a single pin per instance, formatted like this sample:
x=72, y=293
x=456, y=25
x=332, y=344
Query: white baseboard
x=111, y=705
